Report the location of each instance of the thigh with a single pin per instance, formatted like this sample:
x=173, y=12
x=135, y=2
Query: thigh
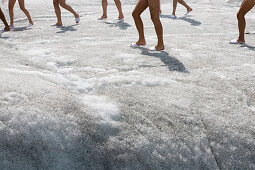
x=21, y=3
x=246, y=6
x=62, y=1
x=11, y=3
x=154, y=6
x=141, y=6
x=1, y=13
x=56, y=1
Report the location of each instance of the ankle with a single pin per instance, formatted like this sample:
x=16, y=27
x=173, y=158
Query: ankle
x=160, y=46
x=189, y=9
x=241, y=40
x=104, y=16
x=141, y=42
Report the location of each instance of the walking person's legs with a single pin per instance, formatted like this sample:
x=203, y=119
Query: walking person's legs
x=63, y=4
x=154, y=6
x=189, y=9
x=2, y=17
x=174, y=7
x=118, y=5
x=58, y=12
x=104, y=6
x=11, y=13
x=246, y=6
x=22, y=7
x=140, y=7
x=186, y=5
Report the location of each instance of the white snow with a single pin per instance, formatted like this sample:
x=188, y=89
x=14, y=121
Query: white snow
x=78, y=97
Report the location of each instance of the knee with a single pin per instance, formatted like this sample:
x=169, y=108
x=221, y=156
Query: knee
x=154, y=18
x=240, y=15
x=55, y=3
x=135, y=14
x=62, y=4
x=22, y=8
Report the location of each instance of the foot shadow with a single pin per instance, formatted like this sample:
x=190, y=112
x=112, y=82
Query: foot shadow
x=165, y=16
x=184, y=18
x=1, y=37
x=172, y=63
x=121, y=24
x=249, y=47
x=64, y=29
x=20, y=29
x=190, y=20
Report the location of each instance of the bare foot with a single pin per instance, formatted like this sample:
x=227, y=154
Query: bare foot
x=7, y=28
x=189, y=9
x=160, y=47
x=77, y=16
x=77, y=19
x=241, y=40
x=103, y=16
x=59, y=24
x=121, y=16
x=141, y=42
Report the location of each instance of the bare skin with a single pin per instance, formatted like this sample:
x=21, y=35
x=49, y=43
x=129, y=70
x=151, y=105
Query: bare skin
x=22, y=7
x=118, y=5
x=2, y=17
x=181, y=2
x=154, y=6
x=160, y=11
x=246, y=6
x=62, y=3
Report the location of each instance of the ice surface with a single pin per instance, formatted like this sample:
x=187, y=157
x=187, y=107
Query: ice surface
x=77, y=97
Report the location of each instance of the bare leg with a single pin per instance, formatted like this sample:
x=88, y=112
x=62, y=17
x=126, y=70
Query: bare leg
x=246, y=6
x=174, y=7
x=104, y=6
x=68, y=8
x=154, y=6
x=160, y=11
x=22, y=7
x=58, y=12
x=7, y=28
x=184, y=4
x=181, y=2
x=140, y=7
x=11, y=6
x=118, y=5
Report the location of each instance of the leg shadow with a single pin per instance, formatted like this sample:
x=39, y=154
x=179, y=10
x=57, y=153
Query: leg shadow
x=64, y=29
x=184, y=18
x=190, y=20
x=165, y=16
x=3, y=37
x=249, y=47
x=20, y=29
x=121, y=24
x=172, y=63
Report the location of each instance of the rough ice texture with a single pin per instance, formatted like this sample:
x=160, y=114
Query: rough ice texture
x=77, y=97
